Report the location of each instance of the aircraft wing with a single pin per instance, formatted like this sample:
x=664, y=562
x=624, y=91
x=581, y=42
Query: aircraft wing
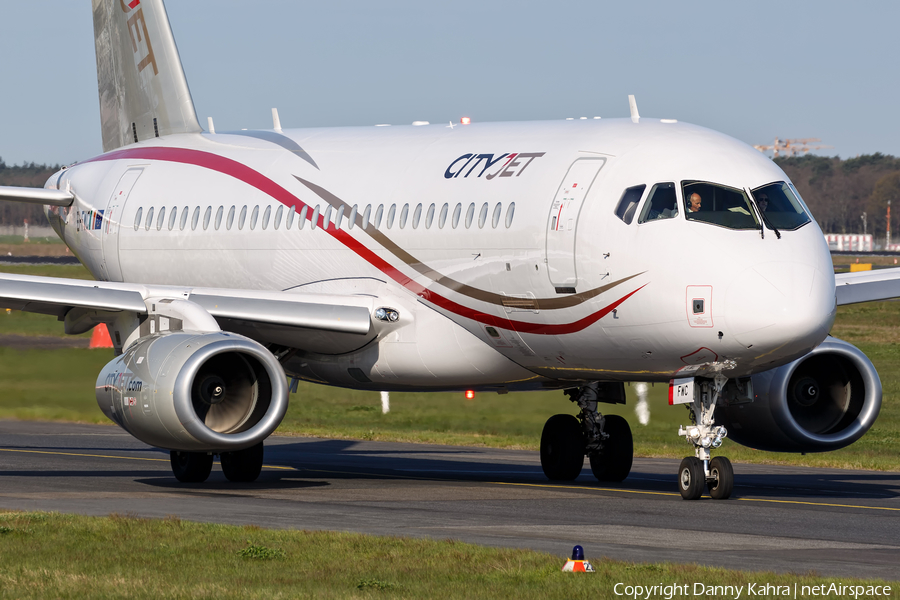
x=36, y=196
x=315, y=322
x=867, y=286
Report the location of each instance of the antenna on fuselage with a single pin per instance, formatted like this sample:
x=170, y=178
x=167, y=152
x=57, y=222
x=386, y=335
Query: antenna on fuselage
x=276, y=122
x=632, y=104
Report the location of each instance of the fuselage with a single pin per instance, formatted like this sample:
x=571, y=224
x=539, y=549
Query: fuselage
x=500, y=240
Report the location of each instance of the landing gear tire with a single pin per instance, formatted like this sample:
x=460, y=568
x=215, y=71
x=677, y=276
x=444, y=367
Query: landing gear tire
x=613, y=462
x=691, y=478
x=243, y=466
x=562, y=448
x=721, y=482
x=191, y=467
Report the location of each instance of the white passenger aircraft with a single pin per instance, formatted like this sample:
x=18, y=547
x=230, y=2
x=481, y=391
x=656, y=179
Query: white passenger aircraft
x=573, y=255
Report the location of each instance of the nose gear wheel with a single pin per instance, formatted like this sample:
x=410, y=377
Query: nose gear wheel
x=699, y=471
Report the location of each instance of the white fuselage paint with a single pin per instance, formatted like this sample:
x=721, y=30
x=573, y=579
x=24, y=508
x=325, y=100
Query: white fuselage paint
x=483, y=305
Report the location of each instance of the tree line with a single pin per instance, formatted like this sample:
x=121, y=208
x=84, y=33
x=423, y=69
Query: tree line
x=838, y=192
x=25, y=175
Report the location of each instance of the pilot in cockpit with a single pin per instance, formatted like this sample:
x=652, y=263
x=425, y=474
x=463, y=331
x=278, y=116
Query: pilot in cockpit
x=695, y=203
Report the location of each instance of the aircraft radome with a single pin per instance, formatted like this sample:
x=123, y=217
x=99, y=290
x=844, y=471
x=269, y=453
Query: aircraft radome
x=574, y=255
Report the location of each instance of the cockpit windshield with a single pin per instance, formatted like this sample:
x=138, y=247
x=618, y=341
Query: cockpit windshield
x=718, y=205
x=782, y=208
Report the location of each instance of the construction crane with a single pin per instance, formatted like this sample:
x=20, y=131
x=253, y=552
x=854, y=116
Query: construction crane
x=792, y=147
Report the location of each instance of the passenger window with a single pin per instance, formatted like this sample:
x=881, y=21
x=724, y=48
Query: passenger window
x=267, y=215
x=429, y=217
x=629, y=203
x=172, y=216
x=660, y=204
x=366, y=214
x=137, y=217
x=482, y=217
x=390, y=216
x=184, y=217
x=496, y=218
x=219, y=214
x=718, y=205
x=403, y=214
x=254, y=217
x=351, y=220
x=149, y=219
x=509, y=214
x=781, y=208
x=230, y=221
x=326, y=220
x=456, y=213
x=417, y=216
x=278, y=214
x=301, y=220
x=378, y=214
x=314, y=222
x=195, y=219
x=206, y=217
x=443, y=218
x=470, y=215
x=243, y=218
x=290, y=217
x=339, y=218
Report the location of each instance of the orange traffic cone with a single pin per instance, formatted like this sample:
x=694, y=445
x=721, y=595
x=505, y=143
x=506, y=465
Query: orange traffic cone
x=100, y=338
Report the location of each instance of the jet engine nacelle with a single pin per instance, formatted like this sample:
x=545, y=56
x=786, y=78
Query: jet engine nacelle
x=195, y=391
x=822, y=401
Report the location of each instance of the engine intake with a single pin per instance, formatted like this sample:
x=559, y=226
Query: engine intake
x=823, y=401
x=196, y=392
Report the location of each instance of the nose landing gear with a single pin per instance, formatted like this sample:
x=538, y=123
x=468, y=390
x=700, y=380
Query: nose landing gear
x=606, y=440
x=699, y=471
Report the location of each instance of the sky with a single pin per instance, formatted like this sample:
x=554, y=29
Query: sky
x=753, y=70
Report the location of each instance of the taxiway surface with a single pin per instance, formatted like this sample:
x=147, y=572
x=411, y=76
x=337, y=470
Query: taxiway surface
x=786, y=519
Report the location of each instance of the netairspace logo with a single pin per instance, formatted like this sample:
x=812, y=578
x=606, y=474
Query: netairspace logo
x=749, y=590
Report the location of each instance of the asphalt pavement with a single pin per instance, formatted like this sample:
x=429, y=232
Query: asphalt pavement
x=786, y=519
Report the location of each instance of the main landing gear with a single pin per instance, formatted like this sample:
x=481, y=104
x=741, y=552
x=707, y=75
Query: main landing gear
x=241, y=466
x=699, y=471
x=605, y=440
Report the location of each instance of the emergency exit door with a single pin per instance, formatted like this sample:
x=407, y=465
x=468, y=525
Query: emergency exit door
x=112, y=218
x=562, y=222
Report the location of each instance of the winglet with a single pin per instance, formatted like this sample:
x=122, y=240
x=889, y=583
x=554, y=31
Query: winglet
x=632, y=104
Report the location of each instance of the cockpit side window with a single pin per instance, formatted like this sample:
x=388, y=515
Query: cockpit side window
x=782, y=208
x=661, y=203
x=718, y=205
x=628, y=204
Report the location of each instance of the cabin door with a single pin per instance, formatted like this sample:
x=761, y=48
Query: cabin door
x=112, y=218
x=562, y=222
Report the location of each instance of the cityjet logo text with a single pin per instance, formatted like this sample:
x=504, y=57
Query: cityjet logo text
x=505, y=165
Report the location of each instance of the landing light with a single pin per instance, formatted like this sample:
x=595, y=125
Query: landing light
x=465, y=120
x=470, y=394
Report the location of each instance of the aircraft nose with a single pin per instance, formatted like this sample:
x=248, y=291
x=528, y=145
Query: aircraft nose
x=785, y=305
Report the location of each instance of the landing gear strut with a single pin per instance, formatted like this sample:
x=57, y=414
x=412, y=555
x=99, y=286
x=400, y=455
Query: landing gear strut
x=699, y=471
x=605, y=440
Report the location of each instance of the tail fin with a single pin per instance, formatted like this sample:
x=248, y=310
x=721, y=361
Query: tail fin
x=143, y=91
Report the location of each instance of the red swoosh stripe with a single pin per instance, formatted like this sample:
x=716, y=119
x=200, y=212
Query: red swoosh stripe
x=253, y=178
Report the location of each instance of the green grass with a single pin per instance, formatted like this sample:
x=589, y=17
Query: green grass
x=67, y=556
x=20, y=240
